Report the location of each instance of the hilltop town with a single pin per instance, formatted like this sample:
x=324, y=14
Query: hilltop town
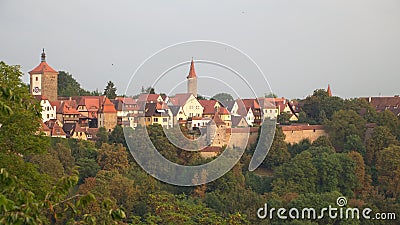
x=80, y=117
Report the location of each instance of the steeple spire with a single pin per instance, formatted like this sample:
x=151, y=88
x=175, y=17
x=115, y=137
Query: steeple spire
x=329, y=91
x=43, y=56
x=192, y=72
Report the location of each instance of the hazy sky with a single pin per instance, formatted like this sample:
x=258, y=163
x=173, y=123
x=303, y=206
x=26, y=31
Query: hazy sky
x=354, y=45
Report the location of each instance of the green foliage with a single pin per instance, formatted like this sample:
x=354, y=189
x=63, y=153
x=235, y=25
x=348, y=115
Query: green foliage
x=343, y=124
x=319, y=106
x=223, y=97
x=278, y=153
x=110, y=91
x=20, y=119
x=68, y=86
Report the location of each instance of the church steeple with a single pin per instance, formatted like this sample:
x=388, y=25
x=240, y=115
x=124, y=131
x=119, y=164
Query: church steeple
x=192, y=72
x=192, y=80
x=329, y=91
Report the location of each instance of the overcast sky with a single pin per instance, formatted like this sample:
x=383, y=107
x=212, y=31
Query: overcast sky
x=354, y=45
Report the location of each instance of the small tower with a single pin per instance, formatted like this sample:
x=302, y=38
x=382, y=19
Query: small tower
x=329, y=91
x=43, y=80
x=192, y=80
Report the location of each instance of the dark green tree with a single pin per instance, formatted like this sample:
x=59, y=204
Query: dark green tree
x=68, y=86
x=223, y=97
x=110, y=91
x=343, y=124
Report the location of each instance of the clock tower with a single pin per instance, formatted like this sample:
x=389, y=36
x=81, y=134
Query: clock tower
x=43, y=80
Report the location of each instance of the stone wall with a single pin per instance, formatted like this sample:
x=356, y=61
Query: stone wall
x=49, y=86
x=296, y=133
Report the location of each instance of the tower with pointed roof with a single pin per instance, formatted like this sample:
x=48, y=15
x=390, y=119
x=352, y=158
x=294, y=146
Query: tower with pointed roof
x=43, y=80
x=192, y=80
x=329, y=91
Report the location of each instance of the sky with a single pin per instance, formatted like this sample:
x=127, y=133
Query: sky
x=299, y=45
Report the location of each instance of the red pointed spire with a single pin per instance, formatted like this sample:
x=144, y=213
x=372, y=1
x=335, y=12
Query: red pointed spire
x=329, y=91
x=192, y=72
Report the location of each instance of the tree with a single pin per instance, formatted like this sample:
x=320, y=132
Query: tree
x=278, y=153
x=388, y=166
x=381, y=138
x=343, y=124
x=320, y=105
x=68, y=86
x=102, y=137
x=363, y=184
x=223, y=97
x=17, y=134
x=110, y=91
x=354, y=143
x=113, y=157
x=117, y=136
x=270, y=95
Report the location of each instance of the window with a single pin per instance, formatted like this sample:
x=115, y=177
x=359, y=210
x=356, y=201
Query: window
x=37, y=78
x=165, y=120
x=48, y=116
x=155, y=120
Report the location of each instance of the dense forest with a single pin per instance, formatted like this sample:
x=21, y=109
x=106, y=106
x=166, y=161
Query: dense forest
x=65, y=181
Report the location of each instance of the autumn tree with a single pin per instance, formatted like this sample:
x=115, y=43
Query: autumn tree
x=113, y=157
x=388, y=166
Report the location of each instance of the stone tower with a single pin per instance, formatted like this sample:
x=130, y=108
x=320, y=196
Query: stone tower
x=192, y=80
x=43, y=80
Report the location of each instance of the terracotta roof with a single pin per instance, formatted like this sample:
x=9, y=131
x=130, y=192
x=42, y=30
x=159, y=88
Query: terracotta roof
x=148, y=98
x=92, y=103
x=223, y=111
x=217, y=119
x=44, y=127
x=301, y=127
x=69, y=107
x=192, y=72
x=381, y=104
x=208, y=105
x=43, y=67
x=108, y=106
x=180, y=99
x=57, y=130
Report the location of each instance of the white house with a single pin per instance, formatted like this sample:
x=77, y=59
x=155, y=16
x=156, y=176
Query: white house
x=48, y=110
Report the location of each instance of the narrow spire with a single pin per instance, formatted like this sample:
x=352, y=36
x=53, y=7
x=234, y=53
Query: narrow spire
x=192, y=72
x=43, y=56
x=329, y=91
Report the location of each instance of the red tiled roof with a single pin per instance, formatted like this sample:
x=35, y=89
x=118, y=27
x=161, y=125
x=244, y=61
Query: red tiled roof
x=125, y=100
x=208, y=105
x=217, y=119
x=57, y=130
x=192, y=72
x=43, y=67
x=148, y=97
x=44, y=127
x=381, y=104
x=223, y=111
x=108, y=106
x=69, y=107
x=180, y=99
